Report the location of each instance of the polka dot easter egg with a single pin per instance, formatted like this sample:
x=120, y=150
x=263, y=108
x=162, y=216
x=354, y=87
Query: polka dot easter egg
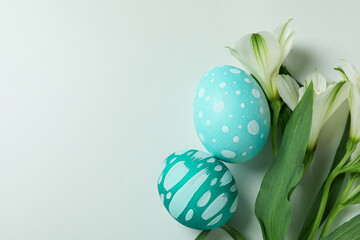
x=231, y=114
x=197, y=189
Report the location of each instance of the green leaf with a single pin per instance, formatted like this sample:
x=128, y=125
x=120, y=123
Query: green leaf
x=348, y=231
x=203, y=235
x=229, y=230
x=284, y=117
x=283, y=71
x=232, y=232
x=335, y=189
x=272, y=206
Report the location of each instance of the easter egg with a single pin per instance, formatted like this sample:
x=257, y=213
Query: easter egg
x=231, y=114
x=197, y=189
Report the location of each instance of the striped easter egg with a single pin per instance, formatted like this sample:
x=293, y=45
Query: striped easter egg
x=197, y=189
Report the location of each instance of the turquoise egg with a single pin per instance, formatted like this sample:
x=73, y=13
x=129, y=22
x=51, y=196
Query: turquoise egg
x=197, y=189
x=231, y=114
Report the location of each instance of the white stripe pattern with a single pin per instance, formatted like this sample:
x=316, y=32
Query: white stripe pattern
x=234, y=205
x=199, y=155
x=184, y=195
x=215, y=220
x=226, y=178
x=175, y=174
x=215, y=207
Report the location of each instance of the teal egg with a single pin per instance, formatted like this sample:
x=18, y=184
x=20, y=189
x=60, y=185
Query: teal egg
x=231, y=114
x=197, y=189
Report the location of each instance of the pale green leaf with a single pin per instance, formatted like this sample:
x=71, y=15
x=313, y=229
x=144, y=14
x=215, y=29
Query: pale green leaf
x=348, y=231
x=272, y=206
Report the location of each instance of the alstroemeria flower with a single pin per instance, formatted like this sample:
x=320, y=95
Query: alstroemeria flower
x=327, y=98
x=350, y=73
x=263, y=53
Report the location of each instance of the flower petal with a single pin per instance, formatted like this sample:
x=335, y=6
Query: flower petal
x=318, y=80
x=325, y=105
x=260, y=54
x=355, y=114
x=332, y=98
x=288, y=89
x=351, y=73
x=286, y=37
x=301, y=92
x=352, y=76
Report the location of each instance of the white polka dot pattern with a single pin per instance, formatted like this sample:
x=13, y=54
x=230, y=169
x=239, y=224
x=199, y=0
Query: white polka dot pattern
x=234, y=113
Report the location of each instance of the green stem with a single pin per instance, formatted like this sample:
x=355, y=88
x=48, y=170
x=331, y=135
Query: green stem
x=353, y=165
x=357, y=157
x=345, y=195
x=350, y=148
x=276, y=106
x=330, y=219
x=353, y=192
x=309, y=155
x=203, y=235
x=338, y=207
x=356, y=190
x=322, y=206
x=229, y=230
x=351, y=168
x=354, y=161
x=232, y=232
x=354, y=200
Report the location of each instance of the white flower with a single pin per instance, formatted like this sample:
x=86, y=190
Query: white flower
x=350, y=74
x=263, y=53
x=286, y=38
x=327, y=98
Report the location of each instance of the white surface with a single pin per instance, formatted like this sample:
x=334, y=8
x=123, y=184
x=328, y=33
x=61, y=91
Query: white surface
x=95, y=94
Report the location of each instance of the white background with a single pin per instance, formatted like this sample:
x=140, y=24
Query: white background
x=95, y=94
